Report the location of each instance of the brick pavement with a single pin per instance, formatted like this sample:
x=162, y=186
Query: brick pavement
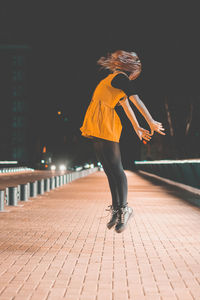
x=57, y=245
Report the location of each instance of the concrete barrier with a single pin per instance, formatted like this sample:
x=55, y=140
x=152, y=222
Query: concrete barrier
x=186, y=171
x=47, y=184
x=60, y=180
x=52, y=183
x=33, y=189
x=13, y=195
x=2, y=196
x=57, y=181
x=6, y=195
x=16, y=169
x=24, y=192
x=65, y=179
x=40, y=187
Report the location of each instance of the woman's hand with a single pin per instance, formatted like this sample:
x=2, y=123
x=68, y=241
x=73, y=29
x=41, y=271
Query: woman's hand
x=156, y=126
x=143, y=133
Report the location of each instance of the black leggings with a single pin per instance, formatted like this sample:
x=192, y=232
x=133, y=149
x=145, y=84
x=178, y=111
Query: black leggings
x=108, y=153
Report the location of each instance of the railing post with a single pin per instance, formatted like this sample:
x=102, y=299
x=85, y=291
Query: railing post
x=64, y=179
x=46, y=184
x=2, y=195
x=40, y=187
x=52, y=183
x=24, y=192
x=33, y=189
x=57, y=181
x=7, y=196
x=13, y=195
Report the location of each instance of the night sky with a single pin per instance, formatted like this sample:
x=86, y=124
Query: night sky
x=68, y=37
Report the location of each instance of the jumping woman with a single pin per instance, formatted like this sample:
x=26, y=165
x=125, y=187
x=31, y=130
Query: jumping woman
x=103, y=126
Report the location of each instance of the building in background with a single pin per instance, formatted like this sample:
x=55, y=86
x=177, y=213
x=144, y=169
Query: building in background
x=15, y=141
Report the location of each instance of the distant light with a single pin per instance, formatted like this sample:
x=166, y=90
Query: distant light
x=3, y=162
x=44, y=150
x=53, y=167
x=42, y=161
x=144, y=142
x=59, y=112
x=167, y=161
x=91, y=165
x=86, y=166
x=78, y=168
x=46, y=166
x=62, y=168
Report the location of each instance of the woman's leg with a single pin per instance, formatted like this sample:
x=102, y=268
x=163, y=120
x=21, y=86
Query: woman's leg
x=109, y=155
x=112, y=158
x=99, y=150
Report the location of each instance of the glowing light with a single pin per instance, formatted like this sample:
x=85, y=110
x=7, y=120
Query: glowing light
x=78, y=168
x=53, y=167
x=59, y=112
x=167, y=161
x=8, y=162
x=46, y=166
x=62, y=168
x=44, y=150
x=86, y=166
x=42, y=161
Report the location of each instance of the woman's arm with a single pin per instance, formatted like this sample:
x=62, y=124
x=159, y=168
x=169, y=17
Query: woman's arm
x=121, y=81
x=141, y=132
x=154, y=125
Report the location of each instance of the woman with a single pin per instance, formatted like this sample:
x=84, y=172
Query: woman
x=102, y=124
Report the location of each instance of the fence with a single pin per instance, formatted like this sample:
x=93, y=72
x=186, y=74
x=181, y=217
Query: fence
x=22, y=192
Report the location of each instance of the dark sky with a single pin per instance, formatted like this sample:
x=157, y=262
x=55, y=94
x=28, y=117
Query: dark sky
x=67, y=38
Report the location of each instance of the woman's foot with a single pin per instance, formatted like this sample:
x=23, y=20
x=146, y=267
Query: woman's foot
x=113, y=218
x=124, y=214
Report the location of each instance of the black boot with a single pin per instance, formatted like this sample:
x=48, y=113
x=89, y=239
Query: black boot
x=113, y=218
x=124, y=214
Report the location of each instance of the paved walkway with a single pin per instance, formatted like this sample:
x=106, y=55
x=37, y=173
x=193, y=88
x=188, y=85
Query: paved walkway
x=57, y=245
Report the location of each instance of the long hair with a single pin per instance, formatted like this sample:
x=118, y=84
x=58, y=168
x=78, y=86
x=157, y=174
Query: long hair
x=121, y=60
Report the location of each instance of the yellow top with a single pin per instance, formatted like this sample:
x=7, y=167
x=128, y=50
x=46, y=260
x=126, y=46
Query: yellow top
x=101, y=119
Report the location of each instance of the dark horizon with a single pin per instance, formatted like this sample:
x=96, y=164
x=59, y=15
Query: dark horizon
x=67, y=39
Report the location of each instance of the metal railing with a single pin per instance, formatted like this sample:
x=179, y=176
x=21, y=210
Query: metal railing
x=11, y=195
x=186, y=171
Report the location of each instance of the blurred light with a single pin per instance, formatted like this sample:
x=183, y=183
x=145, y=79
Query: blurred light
x=42, y=161
x=44, y=150
x=59, y=112
x=46, y=166
x=62, y=168
x=99, y=164
x=53, y=167
x=91, y=165
x=8, y=162
x=86, y=166
x=168, y=161
x=144, y=142
x=78, y=168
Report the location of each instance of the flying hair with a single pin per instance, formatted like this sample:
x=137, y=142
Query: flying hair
x=121, y=60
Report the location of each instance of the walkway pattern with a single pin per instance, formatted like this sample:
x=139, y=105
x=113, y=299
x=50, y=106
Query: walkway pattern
x=57, y=246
